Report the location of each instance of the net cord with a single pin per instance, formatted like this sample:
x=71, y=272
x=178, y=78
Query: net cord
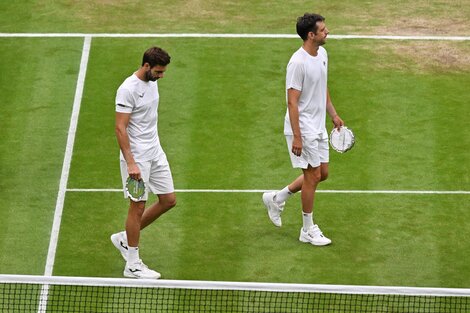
x=225, y=285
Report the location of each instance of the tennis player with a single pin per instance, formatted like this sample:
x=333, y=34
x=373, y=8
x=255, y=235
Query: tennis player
x=308, y=101
x=142, y=156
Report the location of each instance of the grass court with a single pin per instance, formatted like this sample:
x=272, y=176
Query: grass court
x=220, y=122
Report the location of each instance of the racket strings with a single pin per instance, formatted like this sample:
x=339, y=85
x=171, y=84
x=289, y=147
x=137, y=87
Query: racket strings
x=342, y=140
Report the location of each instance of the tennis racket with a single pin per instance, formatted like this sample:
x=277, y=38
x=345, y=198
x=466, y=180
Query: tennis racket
x=342, y=140
x=135, y=189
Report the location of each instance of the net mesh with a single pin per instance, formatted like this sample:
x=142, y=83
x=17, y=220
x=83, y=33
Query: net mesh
x=32, y=297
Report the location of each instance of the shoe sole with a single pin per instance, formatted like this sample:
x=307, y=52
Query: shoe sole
x=301, y=239
x=116, y=244
x=267, y=207
x=130, y=275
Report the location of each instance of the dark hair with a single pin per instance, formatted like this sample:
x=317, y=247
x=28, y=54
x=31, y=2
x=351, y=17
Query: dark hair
x=156, y=56
x=308, y=23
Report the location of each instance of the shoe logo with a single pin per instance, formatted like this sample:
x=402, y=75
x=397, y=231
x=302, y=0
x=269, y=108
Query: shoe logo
x=134, y=270
x=141, y=96
x=123, y=245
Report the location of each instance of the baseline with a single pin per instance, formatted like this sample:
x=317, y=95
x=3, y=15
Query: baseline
x=201, y=35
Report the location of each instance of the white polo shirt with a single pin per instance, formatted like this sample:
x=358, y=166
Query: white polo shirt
x=308, y=74
x=140, y=99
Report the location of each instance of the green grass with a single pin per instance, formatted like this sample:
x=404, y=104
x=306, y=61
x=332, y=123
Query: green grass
x=221, y=125
x=212, y=16
x=218, y=136
x=37, y=89
x=224, y=108
x=391, y=240
x=221, y=117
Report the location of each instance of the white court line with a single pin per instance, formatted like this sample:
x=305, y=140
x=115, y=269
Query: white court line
x=418, y=192
x=201, y=35
x=44, y=295
x=68, y=157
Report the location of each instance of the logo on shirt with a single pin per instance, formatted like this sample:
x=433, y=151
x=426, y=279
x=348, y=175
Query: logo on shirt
x=324, y=63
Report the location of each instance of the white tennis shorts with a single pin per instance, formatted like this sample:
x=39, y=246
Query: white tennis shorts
x=314, y=152
x=156, y=175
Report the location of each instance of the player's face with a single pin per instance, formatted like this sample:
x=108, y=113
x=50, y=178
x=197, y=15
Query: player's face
x=155, y=72
x=322, y=33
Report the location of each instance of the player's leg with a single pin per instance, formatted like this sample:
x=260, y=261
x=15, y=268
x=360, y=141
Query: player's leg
x=133, y=222
x=275, y=201
x=313, y=174
x=324, y=171
x=295, y=186
x=161, y=184
x=285, y=193
x=119, y=239
x=310, y=232
x=311, y=178
x=128, y=242
x=135, y=268
x=165, y=202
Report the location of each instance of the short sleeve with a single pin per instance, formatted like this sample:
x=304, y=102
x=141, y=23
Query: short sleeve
x=124, y=101
x=295, y=76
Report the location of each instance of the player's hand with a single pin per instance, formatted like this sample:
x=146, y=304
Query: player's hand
x=297, y=146
x=133, y=171
x=338, y=122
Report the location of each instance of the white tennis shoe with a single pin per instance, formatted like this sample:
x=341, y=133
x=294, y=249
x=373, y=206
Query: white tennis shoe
x=314, y=236
x=119, y=240
x=140, y=270
x=274, y=209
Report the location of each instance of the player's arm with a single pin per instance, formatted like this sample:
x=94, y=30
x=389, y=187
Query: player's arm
x=122, y=121
x=337, y=121
x=293, y=96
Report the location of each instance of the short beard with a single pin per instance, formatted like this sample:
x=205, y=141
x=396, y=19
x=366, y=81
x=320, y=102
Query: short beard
x=150, y=77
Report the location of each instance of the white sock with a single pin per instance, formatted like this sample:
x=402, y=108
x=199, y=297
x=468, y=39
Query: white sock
x=133, y=255
x=308, y=220
x=282, y=195
x=124, y=234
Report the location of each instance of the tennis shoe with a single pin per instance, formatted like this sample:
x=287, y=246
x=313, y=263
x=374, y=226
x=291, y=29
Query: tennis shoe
x=274, y=209
x=314, y=236
x=119, y=240
x=140, y=270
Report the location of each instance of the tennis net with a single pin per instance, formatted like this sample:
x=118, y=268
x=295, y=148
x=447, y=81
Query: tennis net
x=41, y=294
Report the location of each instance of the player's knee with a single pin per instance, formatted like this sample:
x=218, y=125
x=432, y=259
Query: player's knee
x=169, y=203
x=313, y=179
x=317, y=178
x=137, y=208
x=324, y=176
